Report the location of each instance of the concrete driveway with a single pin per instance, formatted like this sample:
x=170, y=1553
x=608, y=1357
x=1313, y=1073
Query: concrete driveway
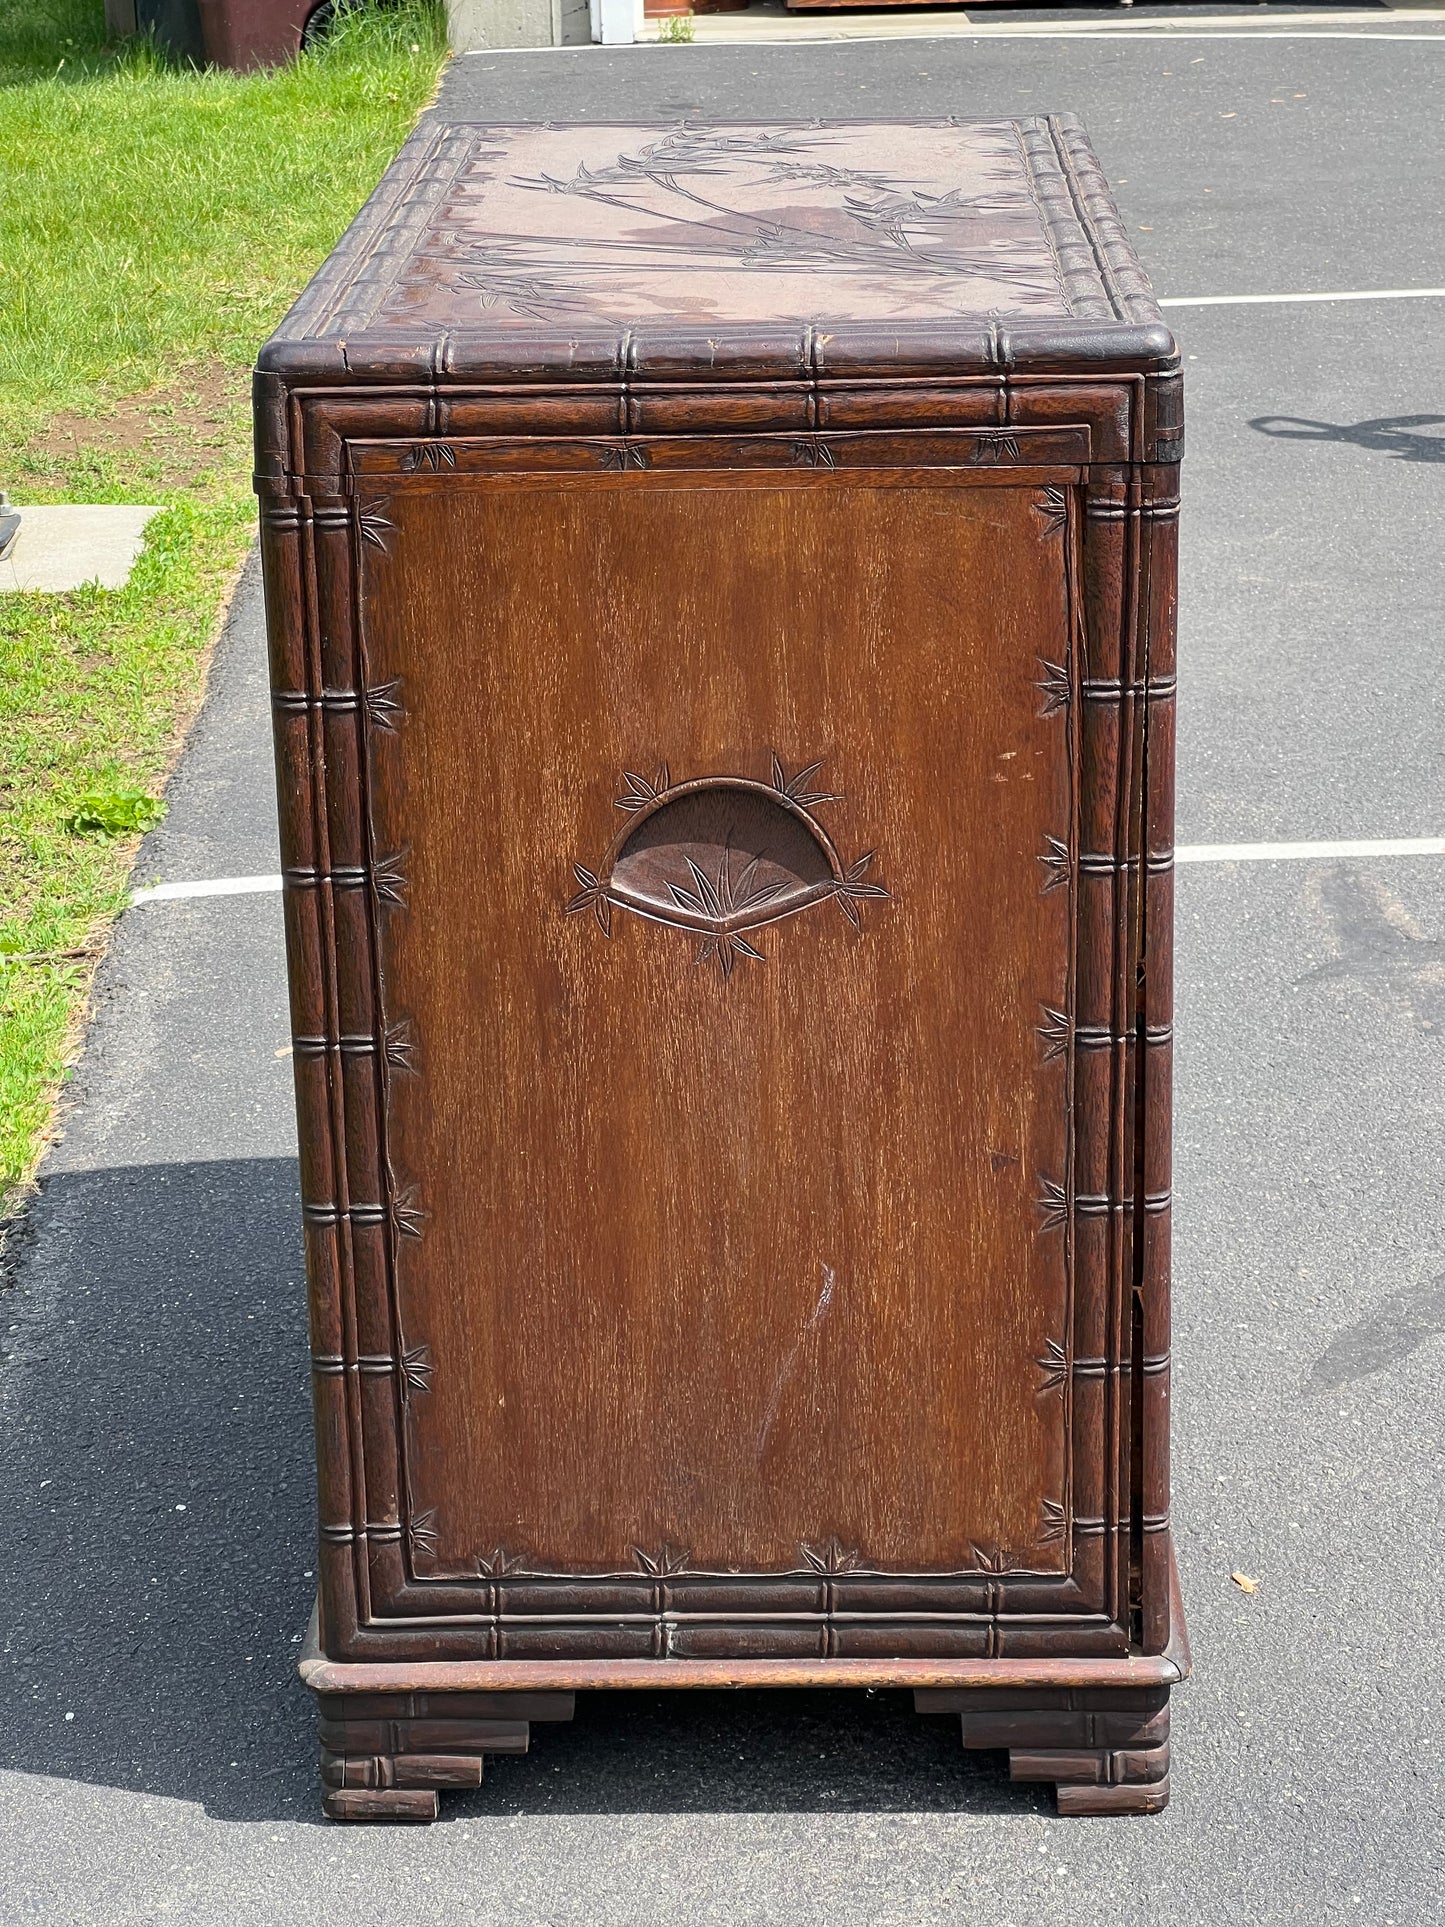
x=157, y=1758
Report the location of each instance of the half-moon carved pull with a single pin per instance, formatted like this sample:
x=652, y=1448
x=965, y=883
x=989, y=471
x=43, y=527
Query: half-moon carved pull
x=720, y=857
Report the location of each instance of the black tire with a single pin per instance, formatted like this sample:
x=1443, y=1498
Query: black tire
x=319, y=23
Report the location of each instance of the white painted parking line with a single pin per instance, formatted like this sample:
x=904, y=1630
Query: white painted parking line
x=1187, y=853
x=1309, y=852
x=771, y=25
x=1270, y=300
x=747, y=30
x=214, y=887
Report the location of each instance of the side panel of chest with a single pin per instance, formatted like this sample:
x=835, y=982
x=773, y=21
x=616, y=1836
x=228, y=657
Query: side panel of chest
x=733, y=1174
x=730, y=1191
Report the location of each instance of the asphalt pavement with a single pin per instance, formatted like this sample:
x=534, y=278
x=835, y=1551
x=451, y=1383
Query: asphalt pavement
x=157, y=1757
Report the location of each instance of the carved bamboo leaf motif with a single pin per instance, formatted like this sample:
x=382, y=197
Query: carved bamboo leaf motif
x=797, y=790
x=1053, y=1367
x=1055, y=860
x=851, y=890
x=399, y=1046
x=422, y=1534
x=1051, y=1523
x=813, y=452
x=434, y=456
x=637, y=792
x=1056, y=1031
x=667, y=1561
x=415, y=1369
x=500, y=1564
x=389, y=879
x=592, y=896
x=896, y=226
x=1054, y=1205
x=831, y=1557
x=371, y=520
x=1053, y=506
x=1053, y=684
x=622, y=455
x=992, y=448
x=407, y=1213
x=383, y=704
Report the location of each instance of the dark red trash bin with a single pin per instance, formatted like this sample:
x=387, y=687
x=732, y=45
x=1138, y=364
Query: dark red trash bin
x=240, y=34
x=253, y=33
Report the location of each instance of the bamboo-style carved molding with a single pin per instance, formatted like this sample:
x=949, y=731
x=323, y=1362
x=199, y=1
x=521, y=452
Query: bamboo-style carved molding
x=404, y=1212
x=1103, y=863
x=341, y=876
x=985, y=1617
x=380, y=701
x=1102, y=508
x=1055, y=1367
x=300, y=702
x=1055, y=1204
x=397, y=1045
x=1109, y=689
x=325, y=1212
x=332, y=1365
x=1099, y=1037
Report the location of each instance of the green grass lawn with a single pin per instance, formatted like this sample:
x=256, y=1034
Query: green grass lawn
x=155, y=223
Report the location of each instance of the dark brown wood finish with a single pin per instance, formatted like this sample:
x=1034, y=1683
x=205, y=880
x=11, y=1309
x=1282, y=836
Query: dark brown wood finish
x=726, y=777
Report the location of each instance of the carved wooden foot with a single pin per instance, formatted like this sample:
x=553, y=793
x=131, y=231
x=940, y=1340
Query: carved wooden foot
x=385, y=1756
x=1105, y=1749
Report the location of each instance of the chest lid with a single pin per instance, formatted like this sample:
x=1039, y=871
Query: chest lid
x=757, y=250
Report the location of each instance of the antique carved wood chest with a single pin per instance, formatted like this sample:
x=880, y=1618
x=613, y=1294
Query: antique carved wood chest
x=721, y=593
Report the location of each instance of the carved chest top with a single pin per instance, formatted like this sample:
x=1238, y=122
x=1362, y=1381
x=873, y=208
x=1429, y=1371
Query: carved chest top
x=732, y=248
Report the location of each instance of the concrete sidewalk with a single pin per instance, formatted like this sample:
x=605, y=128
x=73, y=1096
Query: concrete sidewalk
x=157, y=1758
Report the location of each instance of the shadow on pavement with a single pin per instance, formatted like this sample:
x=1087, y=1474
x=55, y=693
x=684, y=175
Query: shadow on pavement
x=1395, y=435
x=155, y=1454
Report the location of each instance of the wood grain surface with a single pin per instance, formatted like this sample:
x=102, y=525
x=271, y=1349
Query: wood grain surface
x=721, y=1267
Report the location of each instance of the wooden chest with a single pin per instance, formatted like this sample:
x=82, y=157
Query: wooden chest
x=721, y=593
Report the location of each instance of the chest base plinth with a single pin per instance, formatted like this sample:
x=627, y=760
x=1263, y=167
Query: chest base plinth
x=397, y=1734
